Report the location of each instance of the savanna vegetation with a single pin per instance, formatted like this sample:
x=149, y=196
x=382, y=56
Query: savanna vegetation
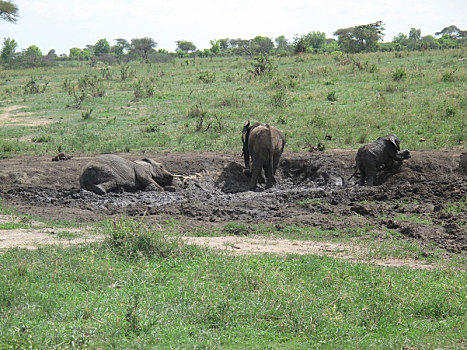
x=195, y=104
x=142, y=287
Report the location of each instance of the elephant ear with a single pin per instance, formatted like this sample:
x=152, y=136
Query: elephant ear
x=395, y=141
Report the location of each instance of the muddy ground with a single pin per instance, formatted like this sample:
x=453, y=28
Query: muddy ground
x=420, y=200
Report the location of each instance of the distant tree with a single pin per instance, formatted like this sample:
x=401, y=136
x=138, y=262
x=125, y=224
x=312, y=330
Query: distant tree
x=428, y=42
x=142, y=47
x=8, y=11
x=75, y=53
x=51, y=54
x=102, y=47
x=313, y=41
x=122, y=45
x=186, y=46
x=215, y=46
x=360, y=38
x=453, y=32
x=9, y=49
x=78, y=54
x=33, y=51
x=415, y=34
x=282, y=42
x=224, y=44
x=261, y=45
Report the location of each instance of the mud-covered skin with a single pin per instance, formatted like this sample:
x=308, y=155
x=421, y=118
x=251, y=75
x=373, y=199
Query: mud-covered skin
x=371, y=157
x=112, y=173
x=264, y=144
x=422, y=201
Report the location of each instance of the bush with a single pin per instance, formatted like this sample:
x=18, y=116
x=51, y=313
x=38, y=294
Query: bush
x=143, y=89
x=208, y=77
x=262, y=65
x=399, y=74
x=133, y=239
x=331, y=96
x=32, y=87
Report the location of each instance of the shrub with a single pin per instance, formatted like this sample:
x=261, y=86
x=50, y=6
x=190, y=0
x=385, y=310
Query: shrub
x=133, y=239
x=399, y=74
x=143, y=89
x=261, y=65
x=331, y=96
x=32, y=87
x=279, y=99
x=208, y=77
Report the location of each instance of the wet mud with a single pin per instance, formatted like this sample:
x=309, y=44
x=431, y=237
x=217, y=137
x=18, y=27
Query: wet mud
x=425, y=199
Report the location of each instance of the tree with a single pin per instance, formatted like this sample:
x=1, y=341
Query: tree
x=281, y=42
x=9, y=49
x=215, y=46
x=119, y=49
x=75, y=53
x=453, y=32
x=142, y=47
x=415, y=34
x=261, y=45
x=360, y=38
x=102, y=47
x=8, y=11
x=33, y=51
x=186, y=46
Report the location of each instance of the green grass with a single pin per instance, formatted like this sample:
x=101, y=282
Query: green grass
x=369, y=103
x=109, y=295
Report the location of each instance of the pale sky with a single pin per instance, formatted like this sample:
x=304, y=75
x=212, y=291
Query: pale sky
x=63, y=24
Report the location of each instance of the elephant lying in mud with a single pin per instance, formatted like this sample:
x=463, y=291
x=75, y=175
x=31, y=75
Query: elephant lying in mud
x=378, y=155
x=264, y=144
x=111, y=173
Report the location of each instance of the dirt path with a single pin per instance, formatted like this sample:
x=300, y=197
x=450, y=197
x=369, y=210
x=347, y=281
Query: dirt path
x=10, y=116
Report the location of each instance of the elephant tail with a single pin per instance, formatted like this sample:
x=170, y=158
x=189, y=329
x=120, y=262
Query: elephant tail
x=355, y=173
x=271, y=145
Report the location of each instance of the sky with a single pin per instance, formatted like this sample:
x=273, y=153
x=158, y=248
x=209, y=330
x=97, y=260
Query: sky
x=63, y=24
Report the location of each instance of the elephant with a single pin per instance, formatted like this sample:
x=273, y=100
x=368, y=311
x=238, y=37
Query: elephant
x=111, y=173
x=264, y=144
x=377, y=155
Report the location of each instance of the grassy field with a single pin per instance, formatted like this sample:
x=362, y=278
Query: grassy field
x=142, y=288
x=196, y=105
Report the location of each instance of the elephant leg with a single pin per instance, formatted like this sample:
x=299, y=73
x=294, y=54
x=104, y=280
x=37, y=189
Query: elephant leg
x=270, y=180
x=148, y=184
x=370, y=175
x=361, y=182
x=255, y=173
x=104, y=187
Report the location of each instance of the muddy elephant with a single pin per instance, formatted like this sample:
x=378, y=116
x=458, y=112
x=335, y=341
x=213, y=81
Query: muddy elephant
x=263, y=144
x=111, y=173
x=377, y=155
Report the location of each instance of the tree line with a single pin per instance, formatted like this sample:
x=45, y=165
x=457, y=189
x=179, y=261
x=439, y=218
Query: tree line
x=361, y=38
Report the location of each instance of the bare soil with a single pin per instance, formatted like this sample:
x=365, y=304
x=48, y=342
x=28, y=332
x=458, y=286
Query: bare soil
x=420, y=200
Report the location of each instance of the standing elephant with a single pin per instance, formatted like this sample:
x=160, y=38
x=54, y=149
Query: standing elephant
x=381, y=153
x=108, y=172
x=264, y=144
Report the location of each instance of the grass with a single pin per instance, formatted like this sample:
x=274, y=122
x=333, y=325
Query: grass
x=109, y=295
x=294, y=96
x=144, y=288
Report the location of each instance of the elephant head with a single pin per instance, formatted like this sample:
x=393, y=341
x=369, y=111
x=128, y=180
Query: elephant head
x=158, y=171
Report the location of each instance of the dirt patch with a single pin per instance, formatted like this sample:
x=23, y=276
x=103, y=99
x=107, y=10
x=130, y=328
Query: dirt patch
x=424, y=200
x=233, y=245
x=9, y=116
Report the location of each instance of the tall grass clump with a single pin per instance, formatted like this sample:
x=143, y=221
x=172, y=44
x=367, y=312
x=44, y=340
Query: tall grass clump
x=133, y=239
